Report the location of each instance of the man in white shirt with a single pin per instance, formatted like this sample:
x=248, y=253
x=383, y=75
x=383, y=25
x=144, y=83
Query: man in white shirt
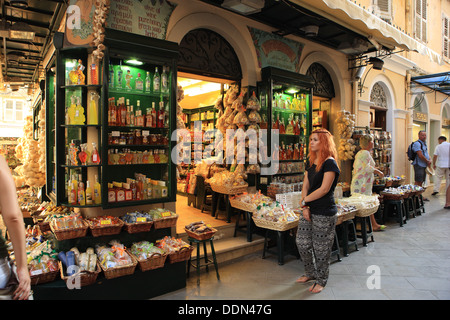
x=441, y=164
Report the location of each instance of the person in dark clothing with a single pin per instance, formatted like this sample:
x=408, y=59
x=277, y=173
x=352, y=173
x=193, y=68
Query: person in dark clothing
x=315, y=234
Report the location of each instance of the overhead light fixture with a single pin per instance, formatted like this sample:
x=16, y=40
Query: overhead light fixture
x=19, y=3
x=310, y=31
x=292, y=90
x=21, y=31
x=134, y=62
x=244, y=7
x=377, y=63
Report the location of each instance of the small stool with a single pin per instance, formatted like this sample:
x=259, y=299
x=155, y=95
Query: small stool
x=207, y=261
x=410, y=207
x=397, y=207
x=348, y=227
x=337, y=249
x=420, y=208
x=366, y=229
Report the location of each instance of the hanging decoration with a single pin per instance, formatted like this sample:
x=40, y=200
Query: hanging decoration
x=101, y=10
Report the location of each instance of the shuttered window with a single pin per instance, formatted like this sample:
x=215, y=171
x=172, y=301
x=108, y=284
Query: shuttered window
x=383, y=9
x=445, y=37
x=420, y=20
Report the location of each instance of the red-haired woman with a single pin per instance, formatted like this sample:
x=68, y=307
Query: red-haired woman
x=316, y=227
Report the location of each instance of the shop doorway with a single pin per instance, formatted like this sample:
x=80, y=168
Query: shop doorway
x=323, y=94
x=207, y=67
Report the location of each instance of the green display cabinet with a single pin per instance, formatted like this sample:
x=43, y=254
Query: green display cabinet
x=286, y=105
x=80, y=121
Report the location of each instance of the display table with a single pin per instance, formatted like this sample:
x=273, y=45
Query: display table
x=138, y=286
x=285, y=245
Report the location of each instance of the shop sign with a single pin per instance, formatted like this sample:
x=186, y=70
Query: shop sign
x=145, y=17
x=79, y=23
x=276, y=51
x=420, y=116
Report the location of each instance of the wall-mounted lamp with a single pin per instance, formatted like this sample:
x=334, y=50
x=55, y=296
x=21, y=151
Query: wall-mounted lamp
x=377, y=63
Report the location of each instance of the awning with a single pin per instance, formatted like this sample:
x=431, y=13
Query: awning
x=367, y=24
x=439, y=82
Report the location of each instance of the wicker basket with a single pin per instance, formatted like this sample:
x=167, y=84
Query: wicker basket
x=156, y=261
x=165, y=222
x=201, y=236
x=120, y=271
x=277, y=226
x=86, y=277
x=229, y=190
x=138, y=227
x=391, y=196
x=72, y=233
x=346, y=216
x=106, y=230
x=367, y=211
x=44, y=277
x=248, y=207
x=181, y=255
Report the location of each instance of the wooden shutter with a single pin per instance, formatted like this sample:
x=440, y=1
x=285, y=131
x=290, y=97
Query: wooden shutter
x=445, y=37
x=385, y=9
x=420, y=20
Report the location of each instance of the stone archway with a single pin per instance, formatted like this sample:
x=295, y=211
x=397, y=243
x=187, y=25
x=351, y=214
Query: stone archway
x=239, y=40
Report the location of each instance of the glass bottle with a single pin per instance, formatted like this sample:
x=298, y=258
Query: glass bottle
x=112, y=112
x=164, y=81
x=156, y=81
x=147, y=82
x=95, y=157
x=123, y=112
x=139, y=83
x=153, y=116
x=161, y=115
x=132, y=119
x=94, y=72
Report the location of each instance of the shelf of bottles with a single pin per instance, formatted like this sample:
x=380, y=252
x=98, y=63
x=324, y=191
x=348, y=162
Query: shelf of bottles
x=73, y=94
x=286, y=101
x=138, y=132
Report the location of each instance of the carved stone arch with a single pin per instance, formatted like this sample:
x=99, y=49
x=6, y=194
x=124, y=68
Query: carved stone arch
x=323, y=84
x=203, y=51
x=378, y=96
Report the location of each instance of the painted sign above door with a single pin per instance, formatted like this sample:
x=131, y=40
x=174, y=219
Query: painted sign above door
x=144, y=17
x=276, y=51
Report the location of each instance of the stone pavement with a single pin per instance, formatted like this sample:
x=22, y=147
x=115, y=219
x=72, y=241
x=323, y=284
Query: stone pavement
x=413, y=262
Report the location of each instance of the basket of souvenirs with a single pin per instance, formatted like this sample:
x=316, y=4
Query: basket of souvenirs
x=177, y=249
x=83, y=267
x=69, y=227
x=135, y=222
x=163, y=218
x=148, y=255
x=199, y=230
x=105, y=225
x=115, y=261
